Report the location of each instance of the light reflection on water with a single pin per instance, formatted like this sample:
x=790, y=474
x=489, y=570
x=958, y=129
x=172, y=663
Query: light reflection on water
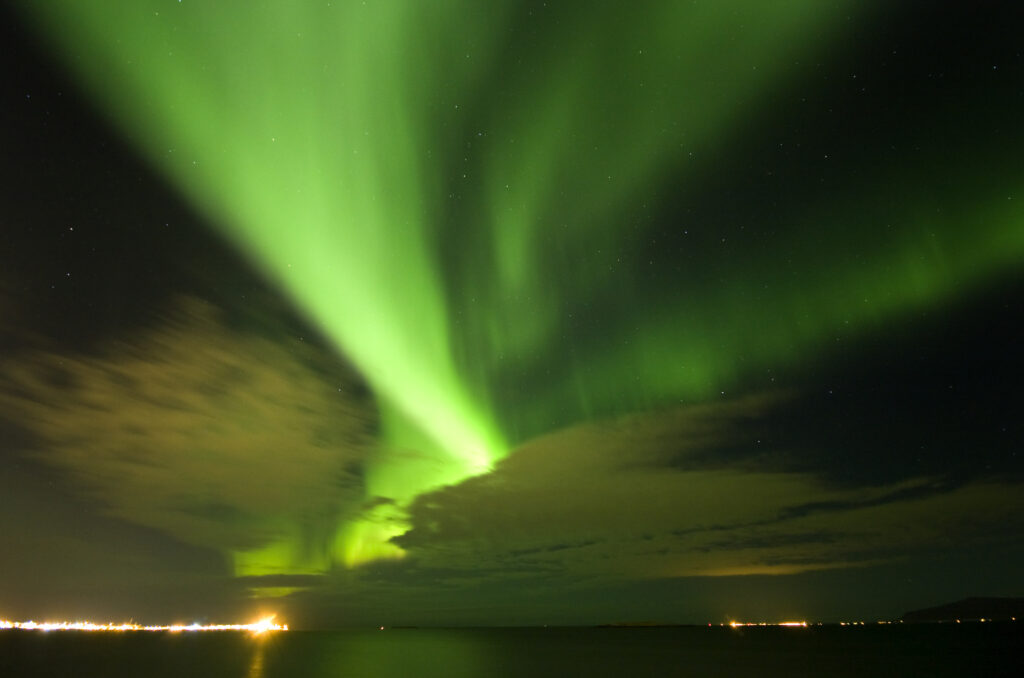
x=256, y=663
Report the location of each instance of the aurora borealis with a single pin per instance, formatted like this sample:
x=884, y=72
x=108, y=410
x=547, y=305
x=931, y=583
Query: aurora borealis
x=396, y=303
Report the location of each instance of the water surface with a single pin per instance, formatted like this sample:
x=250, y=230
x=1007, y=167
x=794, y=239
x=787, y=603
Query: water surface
x=926, y=650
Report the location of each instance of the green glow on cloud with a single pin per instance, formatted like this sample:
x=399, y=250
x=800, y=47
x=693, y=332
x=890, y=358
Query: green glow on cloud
x=435, y=196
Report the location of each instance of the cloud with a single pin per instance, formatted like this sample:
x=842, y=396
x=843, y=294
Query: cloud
x=62, y=560
x=612, y=501
x=219, y=437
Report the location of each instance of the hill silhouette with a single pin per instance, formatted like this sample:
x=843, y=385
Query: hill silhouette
x=970, y=609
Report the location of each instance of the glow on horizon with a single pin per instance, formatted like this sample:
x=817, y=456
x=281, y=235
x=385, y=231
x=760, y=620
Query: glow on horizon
x=262, y=626
x=792, y=624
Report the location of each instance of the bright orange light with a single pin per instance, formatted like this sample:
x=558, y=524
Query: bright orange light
x=263, y=625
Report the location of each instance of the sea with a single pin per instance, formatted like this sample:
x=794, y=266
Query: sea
x=993, y=649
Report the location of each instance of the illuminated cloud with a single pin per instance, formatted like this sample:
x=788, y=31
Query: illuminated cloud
x=219, y=437
x=617, y=500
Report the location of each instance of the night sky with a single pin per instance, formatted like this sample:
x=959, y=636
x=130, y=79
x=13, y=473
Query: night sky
x=510, y=312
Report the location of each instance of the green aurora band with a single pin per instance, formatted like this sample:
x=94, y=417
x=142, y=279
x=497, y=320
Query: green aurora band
x=441, y=186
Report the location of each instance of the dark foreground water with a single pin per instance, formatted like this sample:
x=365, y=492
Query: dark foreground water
x=941, y=650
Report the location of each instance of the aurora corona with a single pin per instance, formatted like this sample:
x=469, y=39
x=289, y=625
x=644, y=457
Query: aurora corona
x=457, y=247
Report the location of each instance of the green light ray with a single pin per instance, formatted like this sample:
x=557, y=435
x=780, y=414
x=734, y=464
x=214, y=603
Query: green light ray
x=436, y=185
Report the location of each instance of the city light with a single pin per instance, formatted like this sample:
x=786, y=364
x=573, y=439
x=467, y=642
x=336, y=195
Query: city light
x=256, y=628
x=736, y=624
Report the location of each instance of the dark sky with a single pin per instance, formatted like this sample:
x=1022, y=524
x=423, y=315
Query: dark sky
x=558, y=313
